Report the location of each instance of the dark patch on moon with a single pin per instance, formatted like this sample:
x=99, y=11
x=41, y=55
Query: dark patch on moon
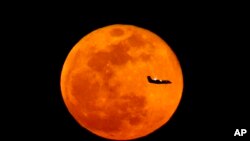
x=136, y=40
x=117, y=56
x=116, y=32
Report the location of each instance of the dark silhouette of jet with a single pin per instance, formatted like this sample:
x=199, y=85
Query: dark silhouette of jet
x=150, y=80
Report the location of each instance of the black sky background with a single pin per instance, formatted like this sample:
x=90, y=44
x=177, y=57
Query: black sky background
x=210, y=44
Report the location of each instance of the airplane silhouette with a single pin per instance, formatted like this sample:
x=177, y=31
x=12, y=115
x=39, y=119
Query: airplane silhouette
x=150, y=80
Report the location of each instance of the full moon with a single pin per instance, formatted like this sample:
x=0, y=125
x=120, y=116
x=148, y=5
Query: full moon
x=105, y=87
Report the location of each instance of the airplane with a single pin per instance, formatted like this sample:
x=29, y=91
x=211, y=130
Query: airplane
x=156, y=81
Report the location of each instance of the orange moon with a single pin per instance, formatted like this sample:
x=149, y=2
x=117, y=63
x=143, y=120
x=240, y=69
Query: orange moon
x=104, y=82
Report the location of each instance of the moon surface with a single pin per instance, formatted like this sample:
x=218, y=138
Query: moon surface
x=104, y=82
